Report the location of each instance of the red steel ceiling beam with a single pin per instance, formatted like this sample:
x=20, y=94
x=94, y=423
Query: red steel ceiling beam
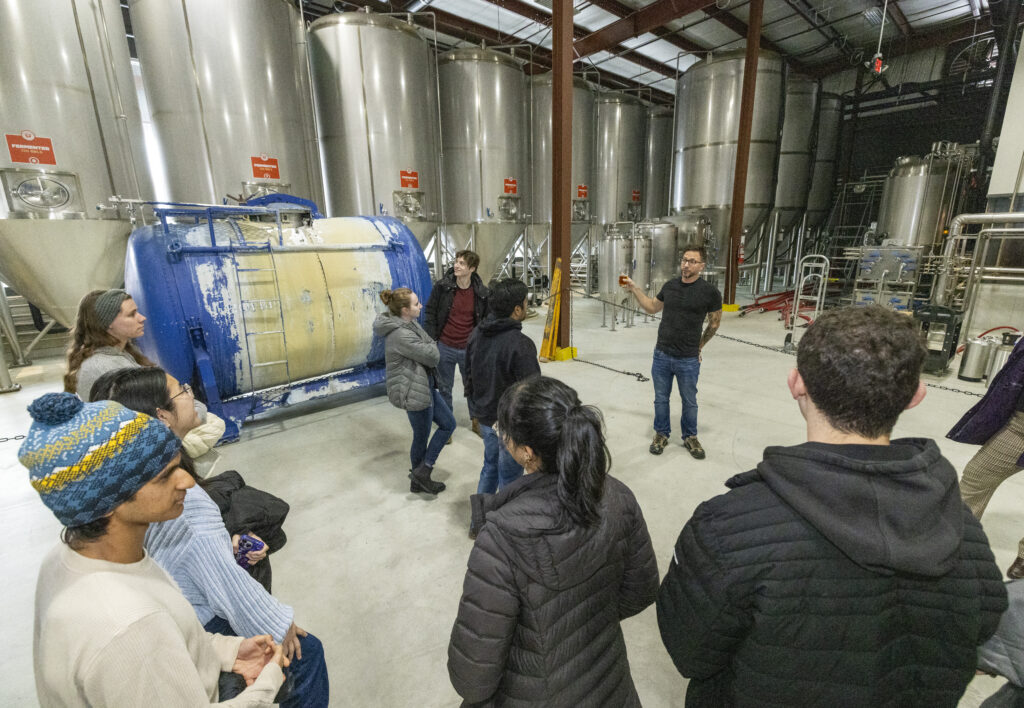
x=657, y=14
x=896, y=13
x=537, y=15
x=621, y=10
x=470, y=31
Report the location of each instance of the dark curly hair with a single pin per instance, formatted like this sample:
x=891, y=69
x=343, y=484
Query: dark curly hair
x=862, y=367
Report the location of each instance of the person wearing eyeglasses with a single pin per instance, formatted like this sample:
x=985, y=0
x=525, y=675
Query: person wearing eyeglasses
x=685, y=303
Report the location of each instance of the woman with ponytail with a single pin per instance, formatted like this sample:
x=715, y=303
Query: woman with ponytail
x=411, y=378
x=563, y=556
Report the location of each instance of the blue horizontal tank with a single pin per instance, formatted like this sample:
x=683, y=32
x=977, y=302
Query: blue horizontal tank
x=261, y=307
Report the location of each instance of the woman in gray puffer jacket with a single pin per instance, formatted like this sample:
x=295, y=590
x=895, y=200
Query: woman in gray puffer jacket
x=410, y=356
x=563, y=557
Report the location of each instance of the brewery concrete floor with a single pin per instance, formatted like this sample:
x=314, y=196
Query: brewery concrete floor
x=376, y=572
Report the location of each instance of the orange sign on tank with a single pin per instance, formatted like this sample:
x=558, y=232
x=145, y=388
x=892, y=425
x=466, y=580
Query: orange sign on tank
x=636, y=195
x=511, y=185
x=28, y=147
x=264, y=167
x=581, y=191
x=410, y=179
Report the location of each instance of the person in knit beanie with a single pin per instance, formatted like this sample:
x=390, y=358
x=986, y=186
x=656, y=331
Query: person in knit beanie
x=111, y=628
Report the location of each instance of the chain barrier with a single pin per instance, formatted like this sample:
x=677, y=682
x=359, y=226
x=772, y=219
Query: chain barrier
x=954, y=390
x=16, y=437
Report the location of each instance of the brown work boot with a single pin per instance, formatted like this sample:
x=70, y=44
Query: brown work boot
x=1016, y=571
x=693, y=445
x=658, y=444
x=476, y=428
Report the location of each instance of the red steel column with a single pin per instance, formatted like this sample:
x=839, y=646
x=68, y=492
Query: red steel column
x=561, y=154
x=739, y=185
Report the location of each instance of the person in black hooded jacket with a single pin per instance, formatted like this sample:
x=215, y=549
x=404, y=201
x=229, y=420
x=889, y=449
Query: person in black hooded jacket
x=564, y=555
x=845, y=571
x=498, y=355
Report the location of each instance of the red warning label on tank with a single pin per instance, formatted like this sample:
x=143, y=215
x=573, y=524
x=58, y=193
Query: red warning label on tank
x=581, y=191
x=636, y=195
x=410, y=179
x=264, y=167
x=511, y=185
x=28, y=147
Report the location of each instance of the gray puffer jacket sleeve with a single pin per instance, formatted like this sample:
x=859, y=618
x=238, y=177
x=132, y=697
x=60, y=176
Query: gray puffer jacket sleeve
x=409, y=353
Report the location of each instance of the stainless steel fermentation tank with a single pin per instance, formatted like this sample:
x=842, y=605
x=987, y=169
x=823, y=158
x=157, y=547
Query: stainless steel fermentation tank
x=664, y=240
x=619, y=169
x=823, y=173
x=582, y=171
x=376, y=105
x=916, y=200
x=73, y=138
x=643, y=250
x=657, y=161
x=485, y=166
x=792, y=179
x=708, y=100
x=228, y=86
x=796, y=150
x=615, y=258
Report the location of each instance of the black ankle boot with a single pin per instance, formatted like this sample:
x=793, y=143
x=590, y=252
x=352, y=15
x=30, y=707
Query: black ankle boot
x=421, y=481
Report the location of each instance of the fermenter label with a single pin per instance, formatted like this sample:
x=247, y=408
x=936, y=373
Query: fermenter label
x=28, y=147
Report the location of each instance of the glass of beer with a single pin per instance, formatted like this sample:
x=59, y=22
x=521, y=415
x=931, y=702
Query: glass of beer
x=623, y=279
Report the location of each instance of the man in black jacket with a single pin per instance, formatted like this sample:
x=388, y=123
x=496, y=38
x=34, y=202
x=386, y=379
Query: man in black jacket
x=456, y=305
x=845, y=571
x=497, y=356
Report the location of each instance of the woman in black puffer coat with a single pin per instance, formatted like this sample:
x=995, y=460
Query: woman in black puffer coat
x=564, y=555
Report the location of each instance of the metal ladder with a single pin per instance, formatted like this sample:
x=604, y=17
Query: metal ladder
x=253, y=305
x=811, y=267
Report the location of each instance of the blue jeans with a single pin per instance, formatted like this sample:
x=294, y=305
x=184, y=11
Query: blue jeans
x=450, y=356
x=685, y=370
x=306, y=678
x=439, y=413
x=500, y=468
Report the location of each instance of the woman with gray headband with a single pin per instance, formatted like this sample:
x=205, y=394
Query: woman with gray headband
x=101, y=341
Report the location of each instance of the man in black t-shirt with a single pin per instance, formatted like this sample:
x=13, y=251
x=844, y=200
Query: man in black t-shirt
x=686, y=302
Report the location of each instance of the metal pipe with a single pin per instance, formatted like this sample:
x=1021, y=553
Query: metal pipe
x=7, y=322
x=797, y=251
x=6, y=384
x=1005, y=57
x=955, y=228
x=42, y=333
x=773, y=236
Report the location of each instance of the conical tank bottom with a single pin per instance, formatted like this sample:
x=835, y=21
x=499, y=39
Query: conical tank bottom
x=490, y=240
x=52, y=263
x=540, y=240
x=753, y=217
x=422, y=230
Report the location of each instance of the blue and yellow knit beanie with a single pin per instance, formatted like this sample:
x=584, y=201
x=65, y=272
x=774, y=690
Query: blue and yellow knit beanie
x=85, y=459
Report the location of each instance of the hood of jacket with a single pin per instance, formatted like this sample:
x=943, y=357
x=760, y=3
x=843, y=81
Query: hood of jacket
x=386, y=323
x=493, y=326
x=533, y=529
x=896, y=515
